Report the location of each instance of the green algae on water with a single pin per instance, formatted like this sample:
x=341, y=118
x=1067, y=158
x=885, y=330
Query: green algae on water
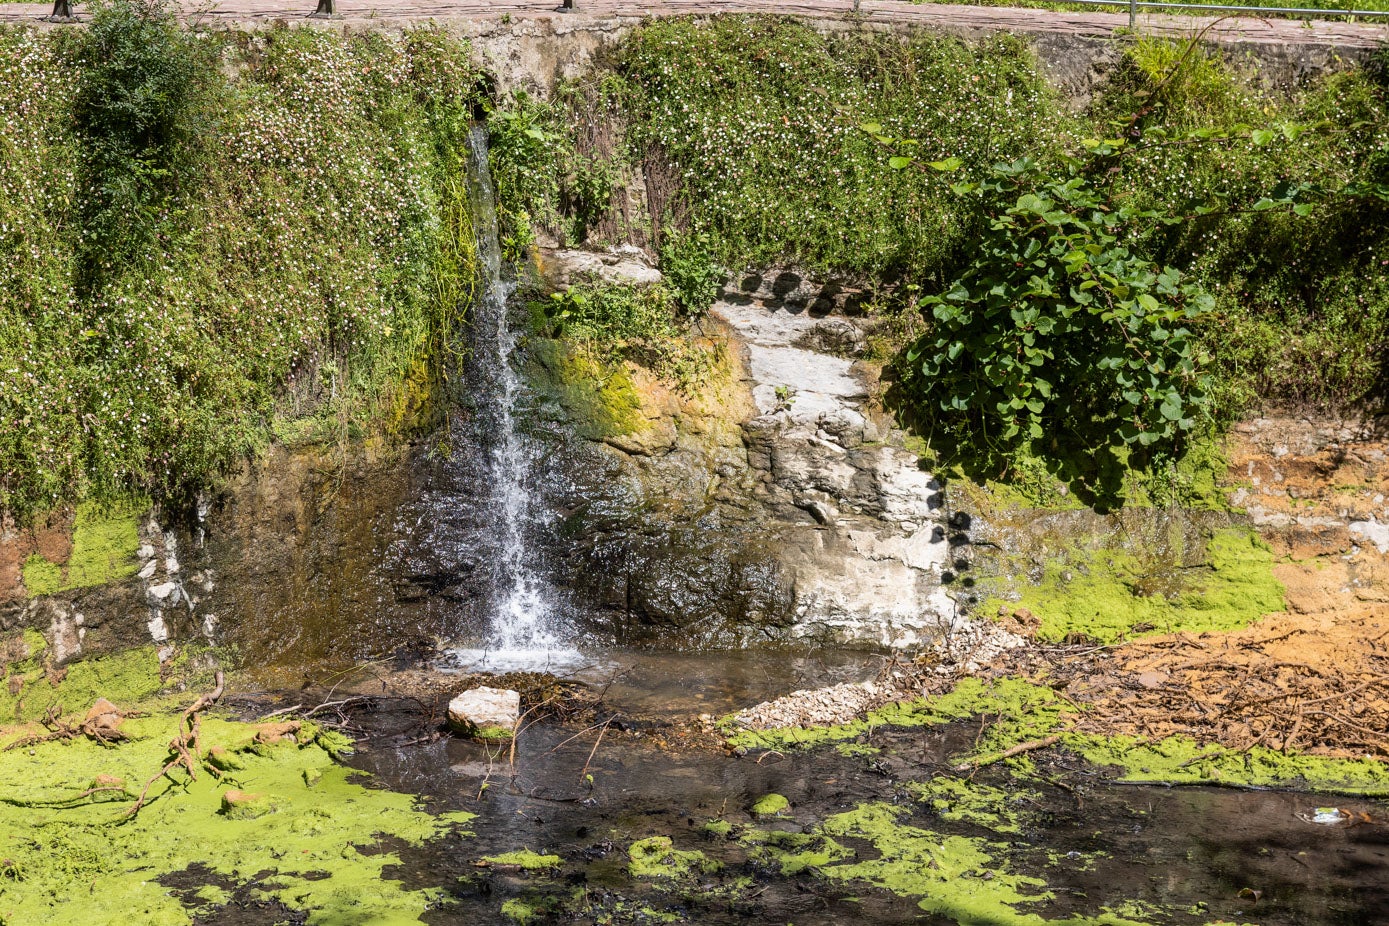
x=1024, y=711
x=962, y=878
x=657, y=857
x=1181, y=760
x=524, y=859
x=963, y=800
x=793, y=853
x=83, y=860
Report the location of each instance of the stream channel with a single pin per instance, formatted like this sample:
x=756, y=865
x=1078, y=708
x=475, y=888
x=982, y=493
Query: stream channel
x=585, y=792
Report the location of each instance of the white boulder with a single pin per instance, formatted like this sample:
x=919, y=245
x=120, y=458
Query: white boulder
x=485, y=713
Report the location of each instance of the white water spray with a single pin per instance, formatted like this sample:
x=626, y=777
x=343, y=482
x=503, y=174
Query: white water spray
x=526, y=630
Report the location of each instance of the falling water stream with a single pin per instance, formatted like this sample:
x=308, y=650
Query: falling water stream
x=526, y=628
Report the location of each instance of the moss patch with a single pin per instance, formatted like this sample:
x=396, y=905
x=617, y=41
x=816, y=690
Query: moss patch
x=1025, y=711
x=963, y=878
x=600, y=397
x=1181, y=760
x=104, y=542
x=524, y=859
x=656, y=857
x=128, y=678
x=769, y=804
x=793, y=853
x=1112, y=594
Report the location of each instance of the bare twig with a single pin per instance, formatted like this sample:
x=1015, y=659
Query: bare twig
x=1009, y=753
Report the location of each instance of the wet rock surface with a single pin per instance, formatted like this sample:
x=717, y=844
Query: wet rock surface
x=485, y=711
x=781, y=504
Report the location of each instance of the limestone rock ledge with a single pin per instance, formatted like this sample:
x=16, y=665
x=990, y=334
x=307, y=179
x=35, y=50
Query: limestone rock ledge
x=780, y=503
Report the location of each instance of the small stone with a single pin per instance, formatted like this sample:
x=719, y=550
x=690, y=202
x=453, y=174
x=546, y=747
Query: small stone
x=246, y=805
x=223, y=759
x=312, y=776
x=104, y=712
x=268, y=734
x=108, y=781
x=488, y=714
x=148, y=569
x=164, y=591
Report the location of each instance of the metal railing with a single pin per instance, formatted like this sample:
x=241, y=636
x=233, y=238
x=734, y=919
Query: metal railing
x=62, y=9
x=1135, y=5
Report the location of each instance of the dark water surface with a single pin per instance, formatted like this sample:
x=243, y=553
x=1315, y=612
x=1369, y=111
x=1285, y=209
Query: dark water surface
x=1185, y=853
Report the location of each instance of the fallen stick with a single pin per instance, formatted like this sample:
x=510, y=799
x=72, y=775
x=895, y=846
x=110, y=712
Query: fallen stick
x=1008, y=753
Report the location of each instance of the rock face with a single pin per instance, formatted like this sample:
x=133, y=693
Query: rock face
x=781, y=503
x=870, y=568
x=485, y=713
x=625, y=264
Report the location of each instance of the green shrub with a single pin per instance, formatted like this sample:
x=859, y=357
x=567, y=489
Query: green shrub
x=756, y=117
x=145, y=113
x=690, y=271
x=1058, y=340
x=613, y=322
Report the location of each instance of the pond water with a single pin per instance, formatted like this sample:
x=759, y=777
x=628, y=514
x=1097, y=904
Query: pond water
x=1159, y=855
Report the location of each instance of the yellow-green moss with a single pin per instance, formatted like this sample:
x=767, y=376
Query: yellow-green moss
x=1181, y=760
x=1025, y=711
x=793, y=853
x=965, y=879
x=524, y=859
x=1110, y=594
x=104, y=541
x=656, y=857
x=128, y=678
x=968, y=801
x=42, y=577
x=769, y=804
x=601, y=398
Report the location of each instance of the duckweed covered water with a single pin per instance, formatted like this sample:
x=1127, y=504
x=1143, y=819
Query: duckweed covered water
x=640, y=831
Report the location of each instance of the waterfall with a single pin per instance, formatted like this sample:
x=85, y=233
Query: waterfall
x=525, y=626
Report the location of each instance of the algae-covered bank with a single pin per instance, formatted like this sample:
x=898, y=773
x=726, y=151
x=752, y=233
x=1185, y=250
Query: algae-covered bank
x=105, y=821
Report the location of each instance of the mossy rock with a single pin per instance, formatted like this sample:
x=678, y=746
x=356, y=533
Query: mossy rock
x=770, y=804
x=657, y=857
x=247, y=805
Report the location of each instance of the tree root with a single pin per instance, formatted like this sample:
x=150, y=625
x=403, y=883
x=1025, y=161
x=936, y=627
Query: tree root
x=183, y=748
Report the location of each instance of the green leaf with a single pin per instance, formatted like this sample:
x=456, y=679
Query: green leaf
x=1261, y=137
x=949, y=164
x=872, y=128
x=898, y=162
